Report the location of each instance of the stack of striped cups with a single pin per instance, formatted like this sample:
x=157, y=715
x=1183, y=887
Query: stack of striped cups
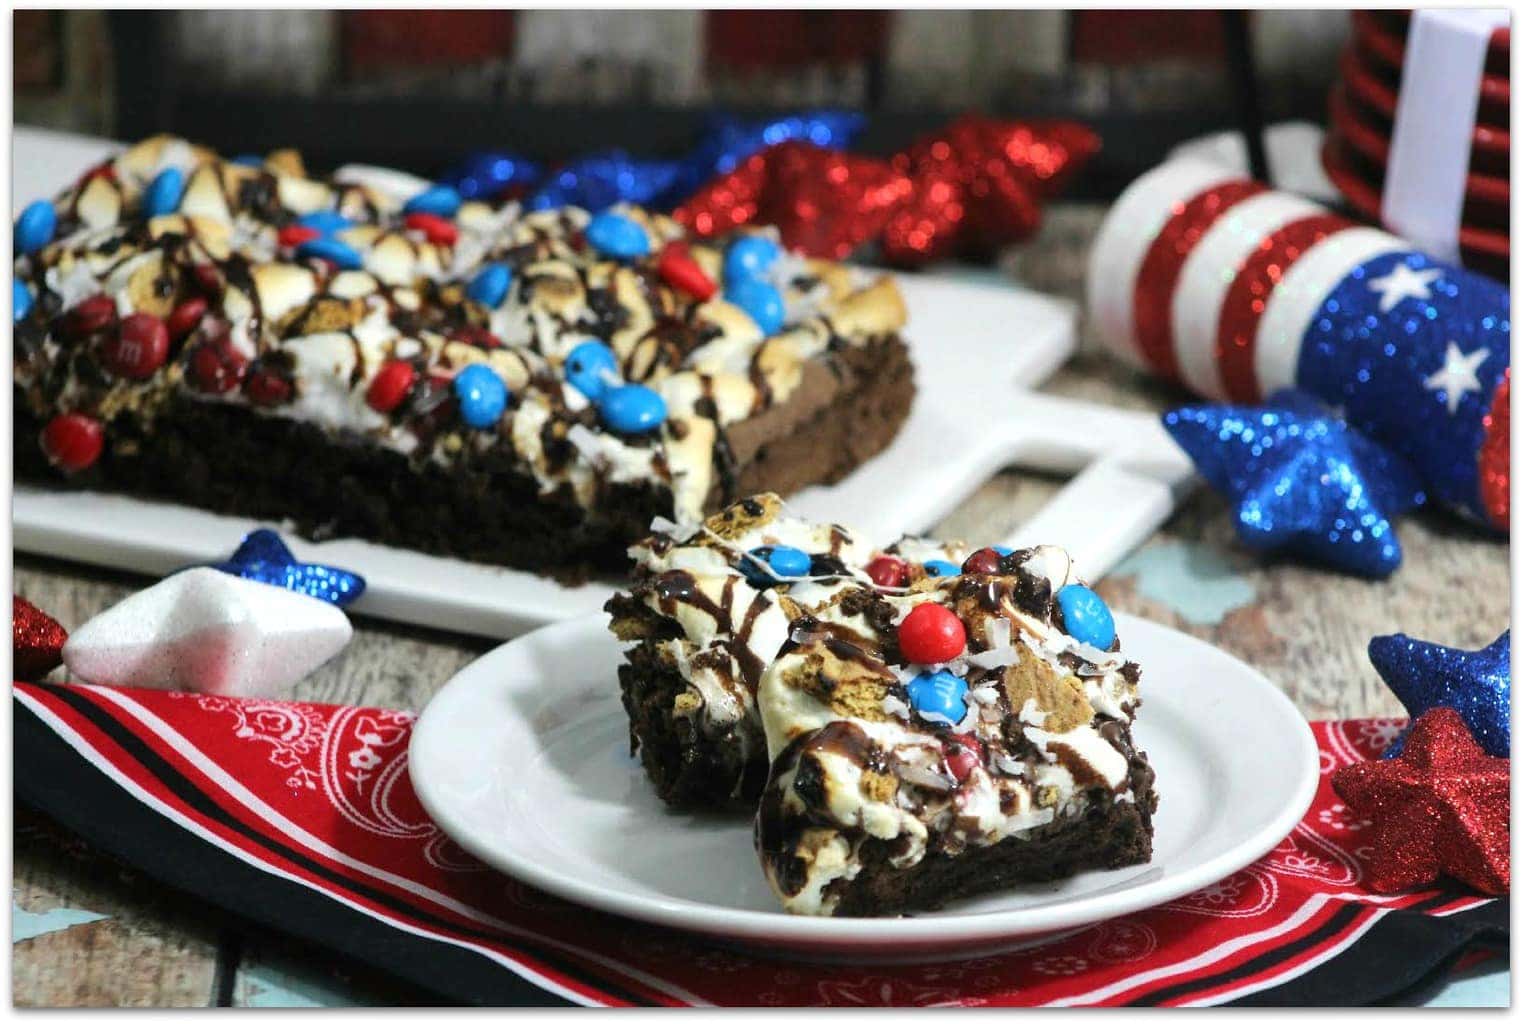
x=1418, y=135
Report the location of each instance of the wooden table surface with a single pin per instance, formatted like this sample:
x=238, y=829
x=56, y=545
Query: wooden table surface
x=90, y=932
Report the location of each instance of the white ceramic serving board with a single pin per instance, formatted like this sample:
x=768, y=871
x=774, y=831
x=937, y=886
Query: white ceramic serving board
x=978, y=347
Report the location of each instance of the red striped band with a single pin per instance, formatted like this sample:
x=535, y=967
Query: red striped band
x=1248, y=296
x=1495, y=454
x=1153, y=294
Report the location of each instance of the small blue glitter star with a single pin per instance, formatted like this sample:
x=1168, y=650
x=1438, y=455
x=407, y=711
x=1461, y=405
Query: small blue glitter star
x=264, y=557
x=1301, y=479
x=1477, y=684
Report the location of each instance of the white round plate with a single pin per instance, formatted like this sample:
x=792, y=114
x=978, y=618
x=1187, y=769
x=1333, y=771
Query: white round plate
x=523, y=758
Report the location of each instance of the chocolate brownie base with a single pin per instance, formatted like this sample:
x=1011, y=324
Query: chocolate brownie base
x=1110, y=835
x=689, y=767
x=228, y=460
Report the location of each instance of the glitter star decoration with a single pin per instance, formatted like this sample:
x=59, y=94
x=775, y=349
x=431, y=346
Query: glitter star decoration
x=37, y=640
x=1475, y=684
x=1301, y=480
x=1441, y=808
x=264, y=557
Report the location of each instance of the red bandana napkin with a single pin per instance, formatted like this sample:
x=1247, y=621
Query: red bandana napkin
x=303, y=815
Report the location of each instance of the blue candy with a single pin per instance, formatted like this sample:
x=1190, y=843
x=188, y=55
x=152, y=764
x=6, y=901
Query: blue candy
x=941, y=567
x=490, y=285
x=632, y=409
x=786, y=563
x=762, y=302
x=588, y=366
x=750, y=256
x=616, y=236
x=482, y=396
x=332, y=250
x=163, y=193
x=1004, y=550
x=21, y=301
x=938, y=697
x=1085, y=616
x=326, y=221
x=35, y=226
x=439, y=200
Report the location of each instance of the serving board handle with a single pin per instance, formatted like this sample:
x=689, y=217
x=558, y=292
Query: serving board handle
x=1131, y=476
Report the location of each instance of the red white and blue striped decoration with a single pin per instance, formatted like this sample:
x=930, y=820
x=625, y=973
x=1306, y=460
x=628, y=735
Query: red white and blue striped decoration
x=1235, y=291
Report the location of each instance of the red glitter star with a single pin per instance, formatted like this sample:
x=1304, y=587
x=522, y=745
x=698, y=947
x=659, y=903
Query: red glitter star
x=823, y=201
x=1441, y=808
x=36, y=640
x=974, y=186
x=980, y=184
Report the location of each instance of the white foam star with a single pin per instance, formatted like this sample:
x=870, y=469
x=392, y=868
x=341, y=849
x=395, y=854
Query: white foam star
x=1457, y=376
x=1403, y=283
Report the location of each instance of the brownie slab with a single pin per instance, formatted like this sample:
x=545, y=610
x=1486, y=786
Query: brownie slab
x=910, y=726
x=703, y=631
x=522, y=387
x=977, y=733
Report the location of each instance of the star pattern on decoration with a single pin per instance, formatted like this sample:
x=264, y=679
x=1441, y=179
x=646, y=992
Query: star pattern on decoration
x=1301, y=480
x=1457, y=376
x=1404, y=283
x=264, y=557
x=1441, y=808
x=1476, y=684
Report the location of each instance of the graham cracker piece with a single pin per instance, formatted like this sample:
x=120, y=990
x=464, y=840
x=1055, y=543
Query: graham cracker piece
x=1060, y=695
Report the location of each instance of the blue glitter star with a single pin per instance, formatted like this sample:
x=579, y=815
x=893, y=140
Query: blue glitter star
x=599, y=180
x=264, y=557
x=1477, y=684
x=1301, y=479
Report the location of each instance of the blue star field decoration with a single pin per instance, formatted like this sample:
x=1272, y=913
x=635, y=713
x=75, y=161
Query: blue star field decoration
x=1411, y=352
x=1301, y=480
x=597, y=181
x=1477, y=684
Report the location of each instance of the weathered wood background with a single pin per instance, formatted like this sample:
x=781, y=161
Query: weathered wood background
x=89, y=932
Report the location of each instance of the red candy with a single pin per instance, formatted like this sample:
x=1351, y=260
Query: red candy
x=266, y=388
x=93, y=314
x=216, y=366
x=106, y=170
x=73, y=441
x=983, y=562
x=963, y=755
x=139, y=347
x=292, y=235
x=888, y=571
x=184, y=317
x=931, y=635
x=434, y=227
x=678, y=269
x=208, y=278
x=478, y=336
x=390, y=385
